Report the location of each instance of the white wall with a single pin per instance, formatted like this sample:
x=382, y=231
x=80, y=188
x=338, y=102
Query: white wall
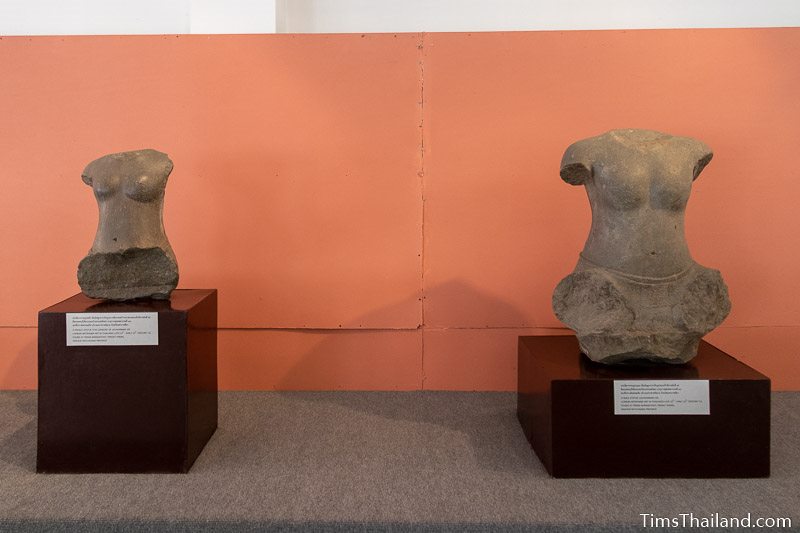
x=232, y=16
x=93, y=17
x=335, y=16
x=65, y=17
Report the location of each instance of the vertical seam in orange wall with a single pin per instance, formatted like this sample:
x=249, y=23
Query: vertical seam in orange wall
x=421, y=174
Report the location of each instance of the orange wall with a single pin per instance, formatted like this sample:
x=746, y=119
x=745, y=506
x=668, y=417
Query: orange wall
x=385, y=211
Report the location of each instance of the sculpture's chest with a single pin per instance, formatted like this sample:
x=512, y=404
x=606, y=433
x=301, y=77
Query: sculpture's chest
x=141, y=188
x=661, y=182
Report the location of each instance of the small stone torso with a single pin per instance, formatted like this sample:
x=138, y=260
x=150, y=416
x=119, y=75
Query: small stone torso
x=131, y=256
x=130, y=211
x=636, y=293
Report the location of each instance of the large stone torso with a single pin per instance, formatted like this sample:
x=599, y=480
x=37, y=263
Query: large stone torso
x=636, y=293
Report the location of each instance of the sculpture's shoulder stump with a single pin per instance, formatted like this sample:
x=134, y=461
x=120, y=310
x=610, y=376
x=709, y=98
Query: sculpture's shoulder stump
x=129, y=164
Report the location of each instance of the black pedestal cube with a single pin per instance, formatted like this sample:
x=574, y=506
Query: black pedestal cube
x=566, y=406
x=116, y=398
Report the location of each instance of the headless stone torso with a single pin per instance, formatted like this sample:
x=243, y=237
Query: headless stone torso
x=636, y=292
x=640, y=184
x=130, y=211
x=131, y=256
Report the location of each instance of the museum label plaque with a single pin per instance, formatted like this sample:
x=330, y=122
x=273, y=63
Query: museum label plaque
x=112, y=329
x=661, y=397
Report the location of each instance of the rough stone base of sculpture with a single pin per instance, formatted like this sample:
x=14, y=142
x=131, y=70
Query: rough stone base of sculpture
x=623, y=319
x=128, y=274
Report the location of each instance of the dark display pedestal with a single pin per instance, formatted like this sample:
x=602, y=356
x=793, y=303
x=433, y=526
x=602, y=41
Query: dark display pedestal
x=128, y=408
x=565, y=404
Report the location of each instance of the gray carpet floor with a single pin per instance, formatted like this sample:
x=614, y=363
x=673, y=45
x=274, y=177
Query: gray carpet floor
x=371, y=461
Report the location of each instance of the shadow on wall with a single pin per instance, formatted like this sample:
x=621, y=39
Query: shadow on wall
x=321, y=362
x=385, y=361
x=485, y=428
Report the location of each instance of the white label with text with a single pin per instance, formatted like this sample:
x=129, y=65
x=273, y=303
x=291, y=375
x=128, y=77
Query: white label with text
x=657, y=397
x=112, y=329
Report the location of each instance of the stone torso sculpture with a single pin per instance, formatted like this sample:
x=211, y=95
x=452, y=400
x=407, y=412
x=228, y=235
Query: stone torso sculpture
x=636, y=293
x=131, y=256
